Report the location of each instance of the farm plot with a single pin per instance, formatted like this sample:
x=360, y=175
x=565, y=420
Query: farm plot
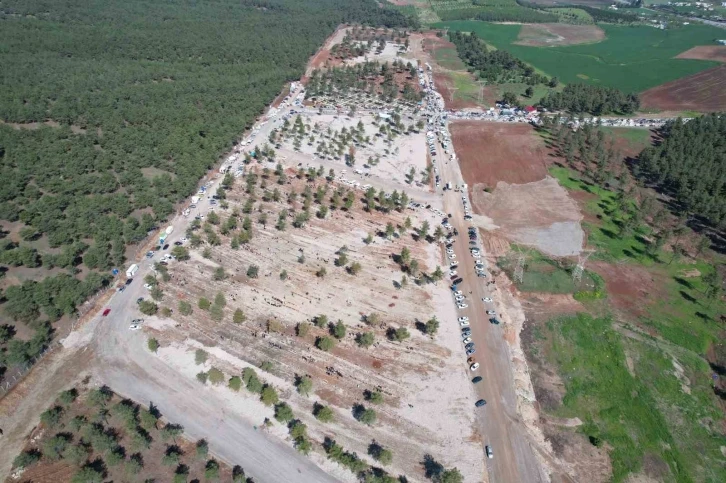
x=325, y=298
x=631, y=58
x=702, y=92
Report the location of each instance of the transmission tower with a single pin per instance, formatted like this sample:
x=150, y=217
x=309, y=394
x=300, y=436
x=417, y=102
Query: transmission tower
x=519, y=269
x=581, y=259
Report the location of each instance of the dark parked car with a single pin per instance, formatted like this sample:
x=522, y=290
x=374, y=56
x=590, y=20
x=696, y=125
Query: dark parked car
x=139, y=300
x=458, y=281
x=106, y=312
x=476, y=379
x=178, y=243
x=470, y=345
x=494, y=321
x=165, y=246
x=480, y=403
x=128, y=282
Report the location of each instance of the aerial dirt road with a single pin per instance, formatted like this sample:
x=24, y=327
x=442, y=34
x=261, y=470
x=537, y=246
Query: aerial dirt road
x=514, y=457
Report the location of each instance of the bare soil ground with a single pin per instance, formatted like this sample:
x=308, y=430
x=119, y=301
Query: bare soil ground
x=558, y=34
x=539, y=214
x=323, y=56
x=705, y=52
x=630, y=288
x=425, y=386
x=702, y=92
x=490, y=152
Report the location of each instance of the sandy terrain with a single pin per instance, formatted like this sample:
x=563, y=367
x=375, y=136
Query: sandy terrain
x=558, y=34
x=490, y=152
x=705, y=52
x=390, y=53
x=702, y=92
x=408, y=151
x=428, y=397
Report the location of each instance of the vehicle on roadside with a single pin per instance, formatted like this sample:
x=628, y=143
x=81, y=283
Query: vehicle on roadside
x=165, y=246
x=453, y=273
x=464, y=323
x=458, y=281
x=460, y=298
x=480, y=403
x=149, y=254
x=465, y=332
x=470, y=352
x=476, y=380
x=137, y=321
x=178, y=243
x=486, y=299
x=148, y=286
x=467, y=340
x=458, y=292
x=491, y=312
x=106, y=312
x=139, y=300
x=470, y=345
x=121, y=288
x=462, y=306
x=134, y=327
x=128, y=282
x=490, y=452
x=494, y=321
x=481, y=274
x=474, y=366
x=463, y=319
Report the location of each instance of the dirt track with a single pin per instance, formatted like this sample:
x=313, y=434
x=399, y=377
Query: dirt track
x=702, y=92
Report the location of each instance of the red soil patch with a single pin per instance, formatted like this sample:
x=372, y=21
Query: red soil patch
x=490, y=152
x=278, y=100
x=556, y=34
x=630, y=288
x=705, y=52
x=702, y=92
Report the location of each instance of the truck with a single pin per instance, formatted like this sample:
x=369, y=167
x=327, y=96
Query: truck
x=169, y=230
x=195, y=200
x=131, y=271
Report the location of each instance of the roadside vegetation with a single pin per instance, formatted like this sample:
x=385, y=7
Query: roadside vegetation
x=95, y=435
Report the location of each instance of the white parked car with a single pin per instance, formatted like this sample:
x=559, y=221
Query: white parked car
x=487, y=299
x=452, y=255
x=464, y=318
x=474, y=367
x=458, y=292
x=459, y=298
x=491, y=312
x=453, y=273
x=467, y=340
x=461, y=305
x=134, y=327
x=464, y=323
x=147, y=286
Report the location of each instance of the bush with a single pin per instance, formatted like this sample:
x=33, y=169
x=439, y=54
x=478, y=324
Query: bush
x=252, y=382
x=354, y=268
x=398, y=335
x=216, y=376
x=202, y=377
x=54, y=447
x=52, y=416
x=283, y=413
x=324, y=343
x=253, y=271
x=323, y=413
x=321, y=321
x=211, y=470
x=376, y=397
x=76, y=454
x=235, y=383
x=364, y=415
x=202, y=448
x=204, y=304
x=268, y=396
x=339, y=330
x=380, y=454
x=302, y=329
x=200, y=356
x=153, y=344
x=219, y=274
x=26, y=458
x=304, y=385
x=68, y=397
x=88, y=474
x=365, y=339
x=147, y=307
x=238, y=316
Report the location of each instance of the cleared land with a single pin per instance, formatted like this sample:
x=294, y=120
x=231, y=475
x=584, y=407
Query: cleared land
x=510, y=162
x=550, y=35
x=421, y=412
x=705, y=52
x=631, y=58
x=491, y=152
x=702, y=92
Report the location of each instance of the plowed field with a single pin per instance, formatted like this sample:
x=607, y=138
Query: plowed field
x=703, y=92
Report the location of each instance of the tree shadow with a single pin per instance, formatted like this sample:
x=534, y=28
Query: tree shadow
x=704, y=317
x=684, y=282
x=433, y=469
x=687, y=296
x=608, y=233
x=420, y=326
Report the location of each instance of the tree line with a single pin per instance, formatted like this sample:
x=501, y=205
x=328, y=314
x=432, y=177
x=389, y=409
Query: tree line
x=596, y=100
x=134, y=124
x=496, y=66
x=690, y=165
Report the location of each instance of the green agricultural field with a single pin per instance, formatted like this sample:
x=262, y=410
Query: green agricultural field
x=631, y=58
